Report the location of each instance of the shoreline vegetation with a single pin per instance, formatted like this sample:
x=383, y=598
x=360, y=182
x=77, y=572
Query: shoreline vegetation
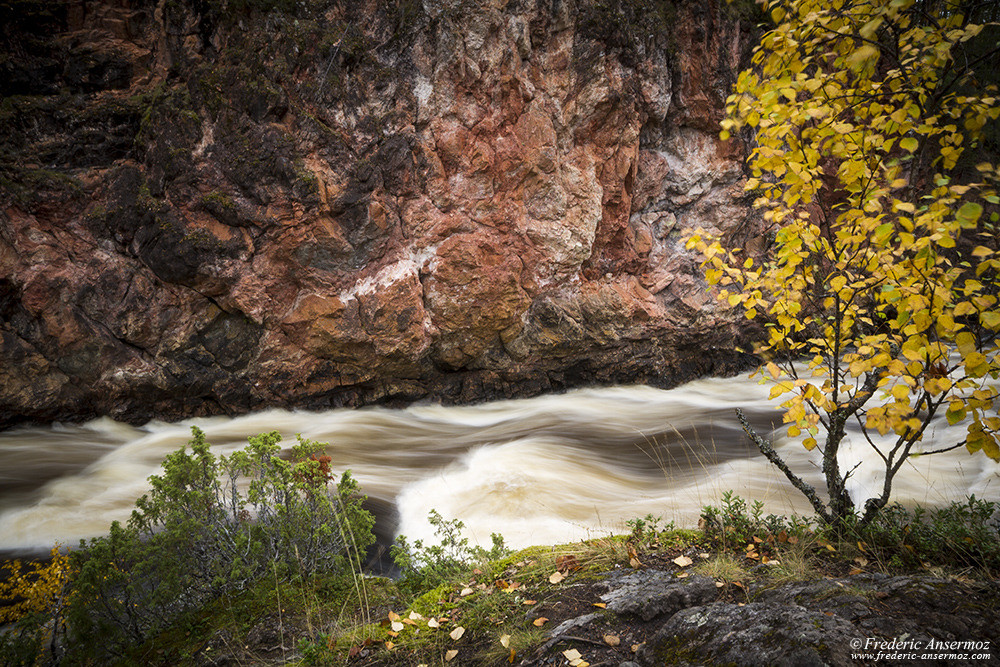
x=209, y=571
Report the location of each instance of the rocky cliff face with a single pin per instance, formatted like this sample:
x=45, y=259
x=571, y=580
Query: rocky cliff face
x=211, y=207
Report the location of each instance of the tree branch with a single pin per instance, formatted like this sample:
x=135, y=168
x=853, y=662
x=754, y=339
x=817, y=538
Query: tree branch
x=768, y=451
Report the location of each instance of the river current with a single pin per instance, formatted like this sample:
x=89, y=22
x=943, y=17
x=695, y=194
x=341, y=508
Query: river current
x=538, y=471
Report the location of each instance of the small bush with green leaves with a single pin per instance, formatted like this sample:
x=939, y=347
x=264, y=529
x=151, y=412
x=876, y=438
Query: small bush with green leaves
x=962, y=534
x=736, y=523
x=213, y=526
x=424, y=567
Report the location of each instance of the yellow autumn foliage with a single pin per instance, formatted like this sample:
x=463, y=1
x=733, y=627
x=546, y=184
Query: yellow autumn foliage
x=882, y=277
x=33, y=587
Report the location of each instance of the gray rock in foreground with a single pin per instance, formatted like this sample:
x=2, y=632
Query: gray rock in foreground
x=753, y=634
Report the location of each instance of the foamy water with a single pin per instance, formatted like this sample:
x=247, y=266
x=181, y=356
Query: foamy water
x=542, y=470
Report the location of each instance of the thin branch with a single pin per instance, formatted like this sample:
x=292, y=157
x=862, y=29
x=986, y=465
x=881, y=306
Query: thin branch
x=768, y=451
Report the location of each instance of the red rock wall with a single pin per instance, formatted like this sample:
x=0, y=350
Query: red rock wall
x=211, y=207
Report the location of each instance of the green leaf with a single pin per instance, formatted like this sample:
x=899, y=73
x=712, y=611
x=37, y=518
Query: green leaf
x=969, y=214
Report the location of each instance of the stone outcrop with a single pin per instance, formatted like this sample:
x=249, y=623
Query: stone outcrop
x=211, y=207
x=658, y=617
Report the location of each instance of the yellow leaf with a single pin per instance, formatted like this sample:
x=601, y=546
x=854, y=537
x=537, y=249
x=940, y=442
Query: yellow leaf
x=909, y=144
x=990, y=319
x=682, y=561
x=809, y=443
x=540, y=621
x=956, y=412
x=457, y=633
x=505, y=641
x=450, y=655
x=556, y=577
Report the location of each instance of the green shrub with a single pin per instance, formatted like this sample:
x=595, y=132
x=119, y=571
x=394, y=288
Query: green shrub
x=427, y=566
x=199, y=535
x=735, y=523
x=962, y=534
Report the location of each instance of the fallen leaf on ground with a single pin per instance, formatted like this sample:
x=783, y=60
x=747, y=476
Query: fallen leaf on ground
x=572, y=654
x=467, y=591
x=505, y=641
x=681, y=575
x=635, y=563
x=703, y=555
x=510, y=658
x=414, y=616
x=457, y=633
x=433, y=623
x=567, y=563
x=397, y=626
x=612, y=640
x=540, y=621
x=556, y=577
x=601, y=605
x=529, y=602
x=682, y=561
x=389, y=645
x=450, y=655
x=393, y=616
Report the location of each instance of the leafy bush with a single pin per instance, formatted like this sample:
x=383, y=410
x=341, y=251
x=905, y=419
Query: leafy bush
x=962, y=534
x=736, y=523
x=426, y=566
x=198, y=535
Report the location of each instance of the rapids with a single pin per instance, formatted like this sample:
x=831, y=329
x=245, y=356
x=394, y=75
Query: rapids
x=541, y=470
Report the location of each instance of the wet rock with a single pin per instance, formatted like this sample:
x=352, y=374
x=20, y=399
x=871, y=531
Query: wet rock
x=757, y=634
x=649, y=594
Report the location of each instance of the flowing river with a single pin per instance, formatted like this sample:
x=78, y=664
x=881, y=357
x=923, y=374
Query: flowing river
x=542, y=470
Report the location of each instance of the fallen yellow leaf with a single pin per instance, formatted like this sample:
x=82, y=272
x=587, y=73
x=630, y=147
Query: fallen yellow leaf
x=467, y=591
x=433, y=623
x=601, y=605
x=682, y=561
x=457, y=633
x=612, y=640
x=397, y=626
x=505, y=641
x=556, y=577
x=540, y=621
x=450, y=655
x=572, y=654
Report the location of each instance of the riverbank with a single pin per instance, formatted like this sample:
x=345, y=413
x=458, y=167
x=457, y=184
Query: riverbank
x=747, y=590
